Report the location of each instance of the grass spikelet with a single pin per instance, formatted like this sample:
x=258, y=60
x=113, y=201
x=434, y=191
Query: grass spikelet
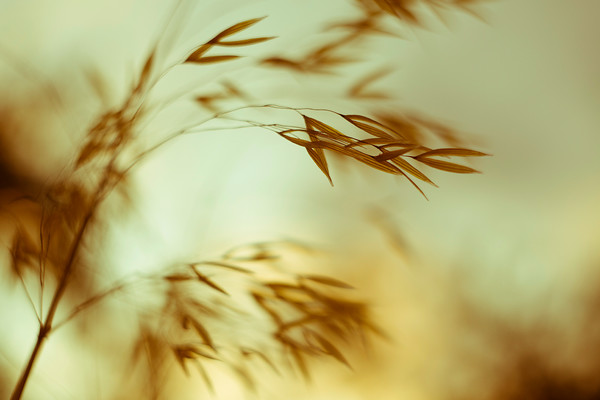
x=197, y=56
x=206, y=305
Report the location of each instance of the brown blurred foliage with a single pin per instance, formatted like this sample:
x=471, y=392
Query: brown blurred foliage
x=245, y=307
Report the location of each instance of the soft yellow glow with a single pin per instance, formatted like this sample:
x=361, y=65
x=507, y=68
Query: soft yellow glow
x=492, y=277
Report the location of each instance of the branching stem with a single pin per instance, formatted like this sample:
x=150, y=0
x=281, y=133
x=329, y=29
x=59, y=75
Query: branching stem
x=46, y=325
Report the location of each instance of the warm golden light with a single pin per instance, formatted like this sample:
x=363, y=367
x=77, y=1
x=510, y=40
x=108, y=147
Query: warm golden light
x=361, y=199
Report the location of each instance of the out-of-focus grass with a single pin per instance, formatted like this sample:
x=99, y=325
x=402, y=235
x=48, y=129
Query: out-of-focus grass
x=498, y=262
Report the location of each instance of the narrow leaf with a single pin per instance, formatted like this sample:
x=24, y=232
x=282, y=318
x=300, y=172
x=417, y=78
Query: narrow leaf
x=358, y=90
x=209, y=283
x=368, y=160
x=206, y=338
x=290, y=293
x=368, y=125
x=240, y=26
x=318, y=156
x=177, y=277
x=180, y=359
x=300, y=362
x=414, y=184
x=315, y=125
x=388, y=155
x=205, y=377
x=197, y=54
x=447, y=166
x=283, y=63
x=246, y=42
x=200, y=329
x=212, y=59
x=262, y=303
x=458, y=152
x=325, y=280
x=146, y=70
x=377, y=141
x=250, y=352
x=407, y=167
x=245, y=377
x=196, y=351
x=330, y=349
x=300, y=142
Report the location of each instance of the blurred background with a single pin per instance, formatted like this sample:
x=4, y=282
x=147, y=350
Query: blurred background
x=488, y=289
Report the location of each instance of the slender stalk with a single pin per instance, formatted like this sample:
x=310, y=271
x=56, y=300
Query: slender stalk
x=46, y=326
x=18, y=391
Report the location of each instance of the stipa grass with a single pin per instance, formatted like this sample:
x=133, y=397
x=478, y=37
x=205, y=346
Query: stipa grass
x=308, y=314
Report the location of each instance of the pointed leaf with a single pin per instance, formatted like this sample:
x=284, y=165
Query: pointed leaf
x=382, y=142
x=201, y=330
x=205, y=376
x=368, y=160
x=318, y=156
x=457, y=152
x=246, y=42
x=262, y=303
x=181, y=360
x=240, y=26
x=177, y=277
x=407, y=167
x=300, y=142
x=250, y=352
x=291, y=293
x=414, y=184
x=195, y=351
x=209, y=283
x=300, y=362
x=197, y=54
x=146, y=70
x=447, y=166
x=212, y=59
x=325, y=280
x=315, y=125
x=283, y=63
x=245, y=377
x=326, y=346
x=369, y=125
x=388, y=155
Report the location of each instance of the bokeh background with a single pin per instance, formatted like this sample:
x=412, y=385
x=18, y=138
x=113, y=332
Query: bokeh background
x=488, y=290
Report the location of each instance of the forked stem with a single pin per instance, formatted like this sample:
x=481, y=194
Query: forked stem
x=46, y=325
